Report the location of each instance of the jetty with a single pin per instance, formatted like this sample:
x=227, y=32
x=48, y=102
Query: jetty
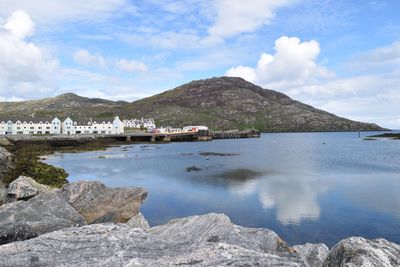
x=203, y=135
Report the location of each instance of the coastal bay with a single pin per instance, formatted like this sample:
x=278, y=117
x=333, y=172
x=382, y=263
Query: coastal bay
x=307, y=187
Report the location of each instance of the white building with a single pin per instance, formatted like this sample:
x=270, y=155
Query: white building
x=55, y=126
x=195, y=128
x=93, y=126
x=149, y=123
x=30, y=126
x=168, y=130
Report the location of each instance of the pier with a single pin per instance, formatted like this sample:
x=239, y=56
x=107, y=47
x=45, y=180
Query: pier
x=136, y=137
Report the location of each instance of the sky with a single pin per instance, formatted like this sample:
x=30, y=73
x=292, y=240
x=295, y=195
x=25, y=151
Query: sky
x=342, y=56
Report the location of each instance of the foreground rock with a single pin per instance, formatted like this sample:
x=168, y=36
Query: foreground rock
x=5, y=161
x=4, y=141
x=43, y=213
x=208, y=240
x=357, y=251
x=24, y=188
x=98, y=203
x=122, y=245
x=138, y=221
x=3, y=193
x=315, y=254
x=218, y=228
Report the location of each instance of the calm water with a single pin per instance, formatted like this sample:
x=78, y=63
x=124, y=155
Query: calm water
x=308, y=187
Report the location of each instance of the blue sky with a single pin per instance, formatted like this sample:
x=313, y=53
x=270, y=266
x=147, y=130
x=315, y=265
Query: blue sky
x=341, y=56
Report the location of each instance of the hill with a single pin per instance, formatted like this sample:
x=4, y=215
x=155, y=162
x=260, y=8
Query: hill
x=62, y=106
x=221, y=103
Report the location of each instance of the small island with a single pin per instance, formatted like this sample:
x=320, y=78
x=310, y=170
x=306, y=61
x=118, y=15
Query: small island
x=394, y=136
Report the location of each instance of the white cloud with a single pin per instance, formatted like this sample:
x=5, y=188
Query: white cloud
x=294, y=70
x=20, y=24
x=380, y=57
x=60, y=10
x=84, y=57
x=164, y=40
x=293, y=64
x=239, y=16
x=24, y=67
x=131, y=65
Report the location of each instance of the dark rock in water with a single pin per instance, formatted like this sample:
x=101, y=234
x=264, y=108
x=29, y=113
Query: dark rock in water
x=24, y=188
x=315, y=254
x=193, y=169
x=357, y=251
x=138, y=221
x=5, y=162
x=98, y=203
x=41, y=214
x=240, y=174
x=217, y=154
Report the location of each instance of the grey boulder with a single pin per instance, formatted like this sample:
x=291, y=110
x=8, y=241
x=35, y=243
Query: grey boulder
x=315, y=254
x=215, y=228
x=122, y=245
x=138, y=221
x=41, y=214
x=5, y=161
x=24, y=188
x=4, y=141
x=99, y=204
x=3, y=193
x=358, y=251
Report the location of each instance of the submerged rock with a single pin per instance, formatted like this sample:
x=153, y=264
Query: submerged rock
x=315, y=254
x=358, y=251
x=41, y=214
x=193, y=169
x=24, y=188
x=138, y=221
x=98, y=203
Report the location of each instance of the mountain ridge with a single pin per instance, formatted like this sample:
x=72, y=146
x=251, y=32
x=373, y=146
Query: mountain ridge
x=219, y=102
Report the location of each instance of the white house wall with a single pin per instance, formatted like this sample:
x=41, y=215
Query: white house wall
x=67, y=127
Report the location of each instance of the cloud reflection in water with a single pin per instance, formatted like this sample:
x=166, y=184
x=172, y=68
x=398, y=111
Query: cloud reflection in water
x=295, y=198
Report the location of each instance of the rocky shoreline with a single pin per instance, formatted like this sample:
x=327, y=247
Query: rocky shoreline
x=88, y=224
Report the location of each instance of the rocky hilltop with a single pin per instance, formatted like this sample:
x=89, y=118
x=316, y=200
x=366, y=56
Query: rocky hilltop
x=222, y=103
x=230, y=103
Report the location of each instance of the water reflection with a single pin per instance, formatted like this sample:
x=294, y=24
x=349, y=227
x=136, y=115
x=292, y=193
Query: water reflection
x=378, y=192
x=294, y=197
x=307, y=187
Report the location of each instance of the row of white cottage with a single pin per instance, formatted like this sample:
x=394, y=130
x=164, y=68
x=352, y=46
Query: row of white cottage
x=68, y=126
